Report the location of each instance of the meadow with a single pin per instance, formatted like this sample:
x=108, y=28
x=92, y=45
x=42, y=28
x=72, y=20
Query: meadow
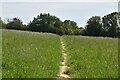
x=92, y=57
x=38, y=55
x=30, y=54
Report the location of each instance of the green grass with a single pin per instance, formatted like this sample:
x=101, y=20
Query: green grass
x=37, y=55
x=30, y=54
x=92, y=57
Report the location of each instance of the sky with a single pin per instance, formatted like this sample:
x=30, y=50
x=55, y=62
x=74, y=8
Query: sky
x=78, y=11
x=59, y=0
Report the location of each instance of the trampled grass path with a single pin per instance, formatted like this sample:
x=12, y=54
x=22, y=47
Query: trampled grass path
x=63, y=66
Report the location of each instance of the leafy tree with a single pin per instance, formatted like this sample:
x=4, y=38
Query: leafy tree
x=24, y=27
x=110, y=27
x=2, y=24
x=45, y=23
x=70, y=27
x=14, y=23
x=49, y=23
x=93, y=27
x=118, y=22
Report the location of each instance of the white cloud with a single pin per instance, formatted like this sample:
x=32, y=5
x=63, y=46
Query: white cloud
x=59, y=0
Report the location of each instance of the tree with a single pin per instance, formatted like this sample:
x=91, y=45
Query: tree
x=118, y=22
x=14, y=23
x=93, y=27
x=2, y=24
x=70, y=27
x=110, y=27
x=46, y=23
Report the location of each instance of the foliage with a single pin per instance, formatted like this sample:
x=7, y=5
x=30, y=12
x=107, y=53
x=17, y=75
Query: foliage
x=45, y=23
x=49, y=23
x=110, y=26
x=106, y=27
x=93, y=27
x=96, y=26
x=70, y=27
x=2, y=24
x=14, y=23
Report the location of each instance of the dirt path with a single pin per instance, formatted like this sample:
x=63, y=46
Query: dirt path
x=63, y=66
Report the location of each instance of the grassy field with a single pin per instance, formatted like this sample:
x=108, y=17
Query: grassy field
x=30, y=54
x=91, y=57
x=37, y=55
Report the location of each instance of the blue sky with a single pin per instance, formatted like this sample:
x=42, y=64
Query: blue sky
x=79, y=12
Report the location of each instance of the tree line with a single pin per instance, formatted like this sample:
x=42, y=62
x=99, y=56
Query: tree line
x=106, y=26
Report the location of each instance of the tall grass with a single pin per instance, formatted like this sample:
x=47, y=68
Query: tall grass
x=91, y=57
x=30, y=54
x=37, y=55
